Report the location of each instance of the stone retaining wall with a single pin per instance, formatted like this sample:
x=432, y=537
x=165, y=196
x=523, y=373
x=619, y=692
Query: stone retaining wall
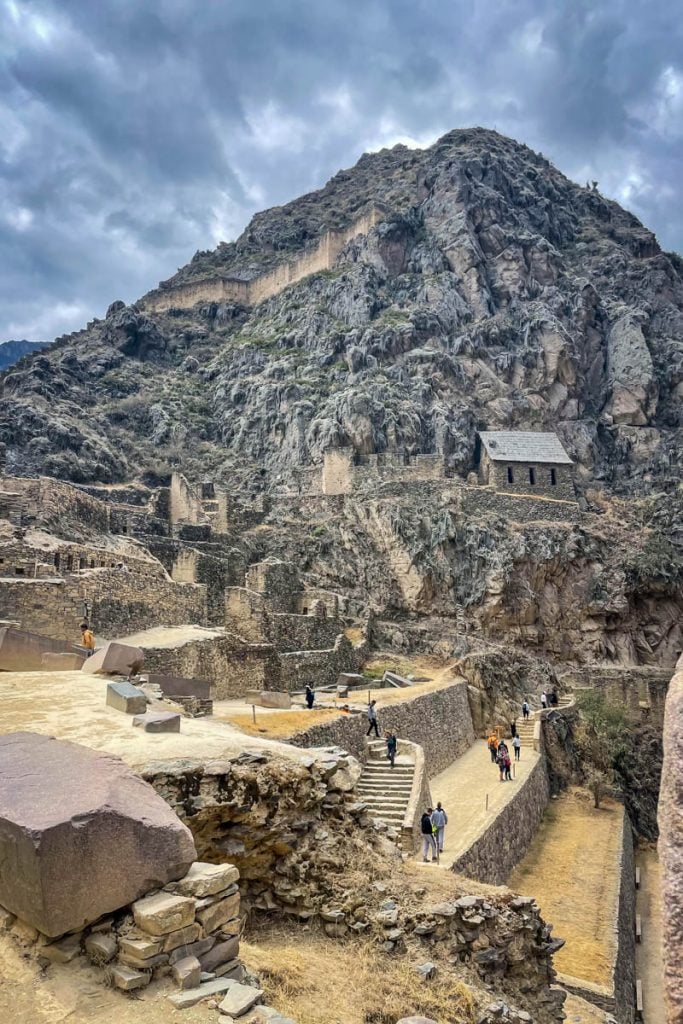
x=440, y=722
x=232, y=666
x=320, y=668
x=475, y=500
x=670, y=818
x=503, y=843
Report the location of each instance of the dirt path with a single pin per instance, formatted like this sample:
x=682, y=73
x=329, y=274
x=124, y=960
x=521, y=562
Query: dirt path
x=649, y=952
x=462, y=789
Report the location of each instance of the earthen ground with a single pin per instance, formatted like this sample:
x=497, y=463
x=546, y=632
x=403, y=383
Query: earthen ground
x=649, y=952
x=462, y=789
x=75, y=993
x=572, y=871
x=171, y=636
x=71, y=706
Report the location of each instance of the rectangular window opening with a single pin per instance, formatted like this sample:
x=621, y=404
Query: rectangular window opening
x=532, y=476
x=553, y=478
x=511, y=475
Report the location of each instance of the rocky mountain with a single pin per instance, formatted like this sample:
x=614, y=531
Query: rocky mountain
x=12, y=351
x=486, y=290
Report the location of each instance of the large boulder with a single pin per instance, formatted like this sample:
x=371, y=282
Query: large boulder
x=80, y=834
x=115, y=659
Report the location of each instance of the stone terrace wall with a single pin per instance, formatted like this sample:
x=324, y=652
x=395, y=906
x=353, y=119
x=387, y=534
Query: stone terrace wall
x=641, y=690
x=118, y=603
x=302, y=632
x=232, y=667
x=52, y=501
x=475, y=500
x=320, y=668
x=504, y=842
x=625, y=927
x=440, y=722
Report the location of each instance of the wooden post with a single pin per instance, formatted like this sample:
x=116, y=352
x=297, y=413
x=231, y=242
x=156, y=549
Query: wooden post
x=487, y=801
x=253, y=713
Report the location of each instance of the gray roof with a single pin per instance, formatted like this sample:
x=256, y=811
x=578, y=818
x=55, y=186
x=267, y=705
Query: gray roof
x=524, y=446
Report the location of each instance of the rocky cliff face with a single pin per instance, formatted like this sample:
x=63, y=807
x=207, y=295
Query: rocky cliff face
x=492, y=293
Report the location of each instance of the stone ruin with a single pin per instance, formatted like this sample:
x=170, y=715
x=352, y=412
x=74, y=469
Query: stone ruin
x=95, y=863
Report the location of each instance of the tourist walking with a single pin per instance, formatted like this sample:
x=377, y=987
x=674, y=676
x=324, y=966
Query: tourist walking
x=439, y=821
x=310, y=696
x=517, y=746
x=492, y=743
x=513, y=728
x=525, y=710
x=508, y=768
x=391, y=748
x=372, y=719
x=87, y=639
x=428, y=841
x=544, y=700
x=500, y=760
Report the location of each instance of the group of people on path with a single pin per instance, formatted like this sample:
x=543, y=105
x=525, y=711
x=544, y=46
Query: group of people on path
x=433, y=827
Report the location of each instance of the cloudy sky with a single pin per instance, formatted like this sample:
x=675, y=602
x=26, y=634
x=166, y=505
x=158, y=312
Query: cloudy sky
x=133, y=132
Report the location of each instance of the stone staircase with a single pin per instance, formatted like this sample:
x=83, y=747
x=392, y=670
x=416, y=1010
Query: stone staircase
x=384, y=789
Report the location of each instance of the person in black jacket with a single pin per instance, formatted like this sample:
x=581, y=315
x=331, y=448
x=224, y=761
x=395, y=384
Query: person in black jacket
x=427, y=829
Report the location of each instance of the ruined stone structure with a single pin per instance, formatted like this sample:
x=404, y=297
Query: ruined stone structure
x=522, y=462
x=249, y=291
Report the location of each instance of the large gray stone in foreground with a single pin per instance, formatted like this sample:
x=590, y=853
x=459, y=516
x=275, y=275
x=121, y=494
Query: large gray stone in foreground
x=127, y=698
x=80, y=834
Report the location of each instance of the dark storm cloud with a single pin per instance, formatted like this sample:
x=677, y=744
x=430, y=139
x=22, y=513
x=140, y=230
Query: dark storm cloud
x=133, y=132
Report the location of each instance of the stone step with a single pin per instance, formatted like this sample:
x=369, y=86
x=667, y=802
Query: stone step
x=386, y=769
x=393, y=791
x=382, y=801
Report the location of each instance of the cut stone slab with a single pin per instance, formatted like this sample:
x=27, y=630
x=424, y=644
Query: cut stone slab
x=187, y=972
x=55, y=662
x=142, y=949
x=194, y=949
x=182, y=937
x=22, y=651
x=127, y=978
x=80, y=834
x=217, y=914
x=114, y=659
x=239, y=999
x=158, y=721
x=163, y=913
x=192, y=996
x=127, y=698
x=269, y=698
x=101, y=947
x=221, y=954
x=205, y=880
x=233, y=969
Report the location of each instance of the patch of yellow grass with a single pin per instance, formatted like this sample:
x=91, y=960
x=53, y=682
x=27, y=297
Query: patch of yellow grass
x=318, y=980
x=280, y=724
x=572, y=870
x=354, y=634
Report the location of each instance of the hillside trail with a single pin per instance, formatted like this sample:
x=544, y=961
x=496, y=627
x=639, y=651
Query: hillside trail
x=463, y=788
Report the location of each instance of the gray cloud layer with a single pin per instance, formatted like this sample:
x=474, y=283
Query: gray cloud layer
x=133, y=132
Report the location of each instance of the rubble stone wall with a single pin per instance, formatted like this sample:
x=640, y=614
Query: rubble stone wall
x=520, y=509
x=320, y=668
x=440, y=722
x=640, y=690
x=503, y=843
x=302, y=632
x=53, y=501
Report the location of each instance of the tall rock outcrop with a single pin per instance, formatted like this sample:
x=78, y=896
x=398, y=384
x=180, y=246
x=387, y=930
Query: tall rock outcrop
x=418, y=296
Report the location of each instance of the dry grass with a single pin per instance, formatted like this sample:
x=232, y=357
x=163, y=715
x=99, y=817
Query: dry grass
x=571, y=869
x=281, y=724
x=318, y=980
x=354, y=634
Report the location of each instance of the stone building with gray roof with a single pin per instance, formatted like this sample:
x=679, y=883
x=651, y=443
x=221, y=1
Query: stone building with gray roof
x=526, y=462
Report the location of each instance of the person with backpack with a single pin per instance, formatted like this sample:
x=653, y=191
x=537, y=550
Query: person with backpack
x=525, y=710
x=392, y=743
x=492, y=744
x=517, y=746
x=439, y=821
x=372, y=719
x=508, y=766
x=427, y=830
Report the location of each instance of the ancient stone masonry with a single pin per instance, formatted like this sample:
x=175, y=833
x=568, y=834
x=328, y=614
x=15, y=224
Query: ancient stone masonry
x=640, y=689
x=503, y=843
x=344, y=471
x=249, y=292
x=522, y=462
x=440, y=722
